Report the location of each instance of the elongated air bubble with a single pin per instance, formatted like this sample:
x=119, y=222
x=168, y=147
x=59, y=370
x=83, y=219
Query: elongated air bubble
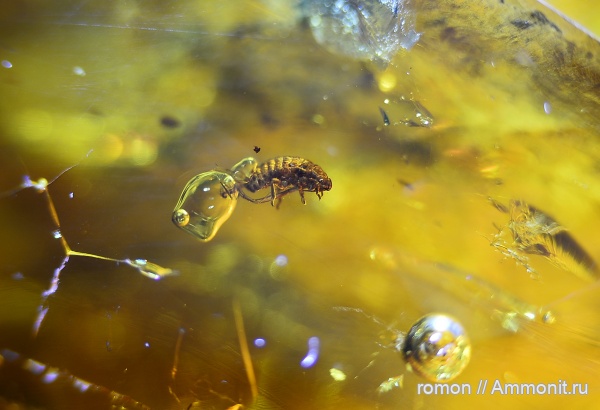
x=313, y=353
x=207, y=201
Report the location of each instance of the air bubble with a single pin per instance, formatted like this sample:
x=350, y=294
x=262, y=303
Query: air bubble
x=206, y=202
x=437, y=347
x=78, y=71
x=34, y=366
x=313, y=353
x=337, y=374
x=281, y=260
x=81, y=385
x=242, y=170
x=149, y=269
x=50, y=376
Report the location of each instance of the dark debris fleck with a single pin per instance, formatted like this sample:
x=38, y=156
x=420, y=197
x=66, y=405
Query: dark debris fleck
x=535, y=18
x=169, y=122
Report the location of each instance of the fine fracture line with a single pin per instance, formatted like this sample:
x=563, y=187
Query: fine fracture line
x=146, y=268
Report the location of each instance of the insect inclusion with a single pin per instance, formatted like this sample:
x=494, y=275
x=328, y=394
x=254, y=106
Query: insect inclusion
x=283, y=175
x=208, y=199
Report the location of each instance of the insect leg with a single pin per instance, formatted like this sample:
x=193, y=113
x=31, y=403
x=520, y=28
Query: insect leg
x=278, y=202
x=319, y=193
x=253, y=200
x=266, y=198
x=226, y=192
x=274, y=191
x=302, y=195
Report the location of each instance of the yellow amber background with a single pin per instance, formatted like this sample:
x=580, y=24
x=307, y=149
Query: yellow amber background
x=406, y=201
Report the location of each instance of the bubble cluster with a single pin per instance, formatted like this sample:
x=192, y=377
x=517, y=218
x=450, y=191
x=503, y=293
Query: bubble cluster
x=364, y=29
x=207, y=201
x=437, y=347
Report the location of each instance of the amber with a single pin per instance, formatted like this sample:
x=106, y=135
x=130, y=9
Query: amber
x=461, y=137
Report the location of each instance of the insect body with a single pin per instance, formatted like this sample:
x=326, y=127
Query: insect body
x=283, y=175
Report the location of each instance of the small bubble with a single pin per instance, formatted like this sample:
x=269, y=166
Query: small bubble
x=281, y=260
x=71, y=195
x=181, y=218
x=8, y=355
x=387, y=82
x=78, y=71
x=259, y=342
x=548, y=317
x=17, y=276
x=337, y=375
x=146, y=345
x=50, y=376
x=34, y=366
x=81, y=385
x=242, y=170
x=6, y=64
x=547, y=107
x=150, y=269
x=318, y=119
x=313, y=353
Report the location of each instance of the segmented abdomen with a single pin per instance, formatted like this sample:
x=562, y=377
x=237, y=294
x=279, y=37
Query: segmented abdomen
x=287, y=170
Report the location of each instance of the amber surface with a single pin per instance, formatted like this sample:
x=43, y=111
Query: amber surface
x=497, y=100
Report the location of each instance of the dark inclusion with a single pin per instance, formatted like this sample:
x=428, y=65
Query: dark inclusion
x=169, y=122
x=535, y=18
